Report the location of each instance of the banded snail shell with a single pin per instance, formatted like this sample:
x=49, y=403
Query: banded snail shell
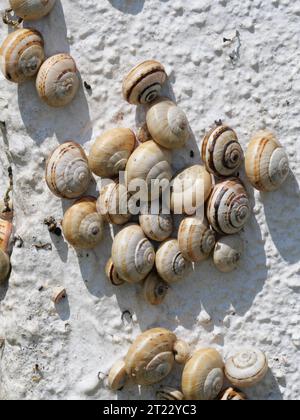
x=196, y=240
x=67, y=171
x=112, y=275
x=144, y=82
x=170, y=263
x=228, y=208
x=154, y=289
x=150, y=359
x=32, y=9
x=5, y=234
x=112, y=204
x=169, y=393
x=228, y=252
x=246, y=368
x=4, y=266
x=231, y=394
x=57, y=81
x=82, y=225
x=267, y=164
x=21, y=55
x=110, y=152
x=157, y=227
x=132, y=254
x=222, y=152
x=117, y=376
x=182, y=352
x=203, y=377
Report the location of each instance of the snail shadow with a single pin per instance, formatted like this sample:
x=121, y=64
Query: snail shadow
x=267, y=390
x=61, y=246
x=63, y=309
x=131, y=7
x=3, y=290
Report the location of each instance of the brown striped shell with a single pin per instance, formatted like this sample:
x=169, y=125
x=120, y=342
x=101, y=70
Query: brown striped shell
x=4, y=266
x=21, y=55
x=144, y=82
x=112, y=204
x=32, y=9
x=57, y=81
x=67, y=171
x=222, y=152
x=232, y=394
x=157, y=227
x=117, y=376
x=169, y=393
x=154, y=289
x=267, y=164
x=112, y=275
x=228, y=252
x=5, y=234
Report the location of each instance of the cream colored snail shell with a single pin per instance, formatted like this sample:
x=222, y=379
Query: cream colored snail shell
x=32, y=9
x=133, y=255
x=228, y=208
x=112, y=204
x=82, y=225
x=195, y=238
x=168, y=124
x=246, y=368
x=231, y=394
x=157, y=227
x=117, y=376
x=203, y=377
x=4, y=266
x=154, y=289
x=67, y=171
x=112, y=275
x=170, y=263
x=21, y=55
x=169, y=393
x=144, y=82
x=150, y=359
x=267, y=164
x=228, y=252
x=182, y=352
x=222, y=152
x=57, y=81
x=191, y=189
x=58, y=295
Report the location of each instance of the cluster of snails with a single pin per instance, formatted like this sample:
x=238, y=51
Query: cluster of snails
x=22, y=56
x=152, y=356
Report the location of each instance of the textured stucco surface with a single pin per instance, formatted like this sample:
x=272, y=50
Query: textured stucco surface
x=257, y=87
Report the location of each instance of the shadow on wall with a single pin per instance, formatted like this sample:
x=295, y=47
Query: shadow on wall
x=131, y=7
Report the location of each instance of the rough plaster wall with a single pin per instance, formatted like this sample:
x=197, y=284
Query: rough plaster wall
x=257, y=87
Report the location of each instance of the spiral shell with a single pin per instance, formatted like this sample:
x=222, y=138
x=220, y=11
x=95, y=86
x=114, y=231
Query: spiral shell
x=150, y=359
x=4, y=266
x=112, y=204
x=132, y=254
x=196, y=240
x=231, y=394
x=59, y=293
x=203, y=377
x=170, y=263
x=168, y=124
x=267, y=164
x=191, y=189
x=169, y=393
x=57, y=81
x=157, y=227
x=222, y=152
x=228, y=252
x=144, y=82
x=32, y=9
x=154, y=289
x=112, y=275
x=228, y=209
x=5, y=234
x=21, y=55
x=117, y=376
x=82, y=225
x=246, y=368
x=67, y=171
x=182, y=352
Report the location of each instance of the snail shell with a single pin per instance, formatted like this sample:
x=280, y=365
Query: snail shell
x=21, y=55
x=191, y=189
x=58, y=295
x=112, y=274
x=82, y=225
x=132, y=254
x=110, y=152
x=222, y=152
x=246, y=368
x=32, y=9
x=169, y=393
x=117, y=376
x=57, y=81
x=228, y=252
x=196, y=240
x=203, y=377
x=228, y=208
x=157, y=227
x=154, y=289
x=144, y=82
x=67, y=171
x=5, y=234
x=168, y=124
x=150, y=359
x=112, y=204
x=231, y=394
x=182, y=352
x=170, y=263
x=267, y=164
x=4, y=266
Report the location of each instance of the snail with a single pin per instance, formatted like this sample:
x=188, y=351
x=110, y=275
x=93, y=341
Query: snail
x=82, y=225
x=57, y=81
x=67, y=171
x=231, y=394
x=21, y=55
x=154, y=289
x=228, y=252
x=246, y=368
x=170, y=263
x=182, y=352
x=58, y=295
x=112, y=274
x=228, y=208
x=203, y=377
x=168, y=124
x=110, y=152
x=132, y=254
x=149, y=166
x=144, y=82
x=266, y=162
x=5, y=235
x=112, y=204
x=117, y=376
x=157, y=227
x=29, y=9
x=196, y=240
x=191, y=189
x=222, y=152
x=169, y=393
x=4, y=266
